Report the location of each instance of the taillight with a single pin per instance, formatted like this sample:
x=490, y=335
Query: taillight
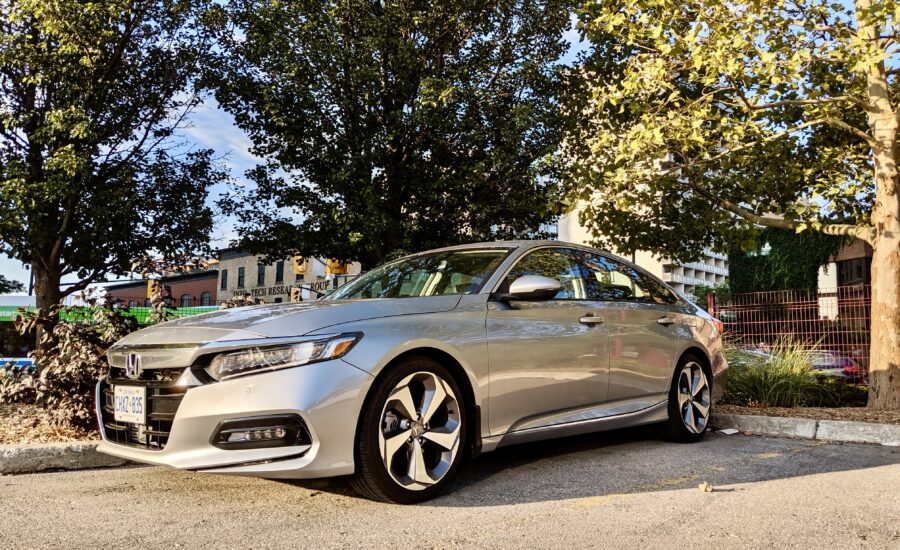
x=720, y=326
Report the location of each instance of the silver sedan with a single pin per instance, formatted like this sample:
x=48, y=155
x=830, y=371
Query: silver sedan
x=399, y=375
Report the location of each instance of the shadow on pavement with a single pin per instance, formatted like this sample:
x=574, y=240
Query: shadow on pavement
x=635, y=461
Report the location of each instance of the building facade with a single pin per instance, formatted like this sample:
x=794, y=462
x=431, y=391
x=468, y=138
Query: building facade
x=241, y=273
x=711, y=270
x=192, y=289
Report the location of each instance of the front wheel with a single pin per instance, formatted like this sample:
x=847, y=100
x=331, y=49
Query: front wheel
x=411, y=435
x=690, y=402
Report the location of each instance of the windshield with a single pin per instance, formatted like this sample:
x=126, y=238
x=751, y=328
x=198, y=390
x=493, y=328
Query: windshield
x=430, y=274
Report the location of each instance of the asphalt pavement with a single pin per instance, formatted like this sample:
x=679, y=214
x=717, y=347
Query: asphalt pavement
x=616, y=490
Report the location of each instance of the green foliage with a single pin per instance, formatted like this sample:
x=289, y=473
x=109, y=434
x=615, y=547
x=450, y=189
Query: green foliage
x=737, y=113
x=791, y=261
x=8, y=285
x=702, y=292
x=90, y=177
x=72, y=359
x=392, y=126
x=784, y=378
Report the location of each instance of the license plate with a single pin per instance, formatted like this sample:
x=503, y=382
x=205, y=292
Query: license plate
x=130, y=404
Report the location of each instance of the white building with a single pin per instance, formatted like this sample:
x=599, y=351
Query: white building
x=711, y=270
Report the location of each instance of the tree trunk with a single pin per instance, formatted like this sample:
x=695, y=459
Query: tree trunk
x=884, y=351
x=47, y=296
x=884, y=366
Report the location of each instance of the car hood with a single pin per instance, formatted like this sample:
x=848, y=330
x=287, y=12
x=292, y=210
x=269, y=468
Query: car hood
x=278, y=320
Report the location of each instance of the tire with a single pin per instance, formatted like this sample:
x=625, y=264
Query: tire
x=405, y=456
x=689, y=397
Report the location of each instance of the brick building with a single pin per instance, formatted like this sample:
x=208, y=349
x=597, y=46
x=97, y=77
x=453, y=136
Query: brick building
x=188, y=290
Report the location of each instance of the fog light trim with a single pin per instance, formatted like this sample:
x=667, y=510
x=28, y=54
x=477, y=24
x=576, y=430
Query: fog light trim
x=261, y=432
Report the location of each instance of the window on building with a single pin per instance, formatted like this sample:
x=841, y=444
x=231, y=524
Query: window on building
x=148, y=302
x=278, y=300
x=299, y=276
x=240, y=282
x=855, y=272
x=132, y=303
x=260, y=275
x=224, y=284
x=206, y=299
x=186, y=300
x=279, y=272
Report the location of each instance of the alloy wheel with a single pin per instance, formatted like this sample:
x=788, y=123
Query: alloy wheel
x=419, y=433
x=693, y=397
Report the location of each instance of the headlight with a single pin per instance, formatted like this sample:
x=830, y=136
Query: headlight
x=261, y=359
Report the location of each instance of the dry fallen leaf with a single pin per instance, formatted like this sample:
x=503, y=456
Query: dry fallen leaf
x=705, y=487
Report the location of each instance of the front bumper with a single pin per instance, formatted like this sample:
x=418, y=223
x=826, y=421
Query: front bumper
x=328, y=396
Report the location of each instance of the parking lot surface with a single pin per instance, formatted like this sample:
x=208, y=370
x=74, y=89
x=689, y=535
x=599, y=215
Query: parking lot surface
x=615, y=490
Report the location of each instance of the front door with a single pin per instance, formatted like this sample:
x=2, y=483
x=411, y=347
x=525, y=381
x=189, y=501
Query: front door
x=548, y=359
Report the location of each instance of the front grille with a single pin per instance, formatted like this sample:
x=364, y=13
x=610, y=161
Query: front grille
x=163, y=399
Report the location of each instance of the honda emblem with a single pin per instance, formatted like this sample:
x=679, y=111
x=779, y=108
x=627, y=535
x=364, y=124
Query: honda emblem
x=133, y=368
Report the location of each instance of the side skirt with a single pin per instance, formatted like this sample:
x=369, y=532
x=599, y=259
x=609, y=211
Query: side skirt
x=655, y=413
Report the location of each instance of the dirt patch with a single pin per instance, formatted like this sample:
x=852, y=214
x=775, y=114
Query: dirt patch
x=30, y=424
x=852, y=414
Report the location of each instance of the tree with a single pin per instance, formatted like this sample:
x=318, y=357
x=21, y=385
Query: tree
x=91, y=94
x=728, y=116
x=392, y=126
x=8, y=286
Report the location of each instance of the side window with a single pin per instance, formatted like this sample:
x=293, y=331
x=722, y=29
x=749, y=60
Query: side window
x=607, y=279
x=557, y=263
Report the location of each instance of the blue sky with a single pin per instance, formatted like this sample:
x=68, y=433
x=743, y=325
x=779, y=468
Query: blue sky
x=209, y=127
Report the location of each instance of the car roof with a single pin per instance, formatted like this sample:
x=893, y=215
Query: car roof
x=517, y=244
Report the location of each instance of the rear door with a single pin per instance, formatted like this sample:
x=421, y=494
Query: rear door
x=547, y=358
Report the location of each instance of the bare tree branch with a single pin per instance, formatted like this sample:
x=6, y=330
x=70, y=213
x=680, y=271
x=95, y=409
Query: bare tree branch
x=850, y=128
x=822, y=101
x=84, y=283
x=773, y=137
x=838, y=229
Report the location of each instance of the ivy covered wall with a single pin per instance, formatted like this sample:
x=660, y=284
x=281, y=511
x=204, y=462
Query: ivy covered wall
x=782, y=260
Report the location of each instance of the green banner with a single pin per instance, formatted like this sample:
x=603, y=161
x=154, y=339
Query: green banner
x=9, y=313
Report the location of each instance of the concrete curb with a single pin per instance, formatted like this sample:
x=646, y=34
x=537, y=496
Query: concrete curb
x=805, y=428
x=78, y=455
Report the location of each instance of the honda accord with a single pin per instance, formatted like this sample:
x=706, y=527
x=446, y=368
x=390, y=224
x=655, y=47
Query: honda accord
x=397, y=376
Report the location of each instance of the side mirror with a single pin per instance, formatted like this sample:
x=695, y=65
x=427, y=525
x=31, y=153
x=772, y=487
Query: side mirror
x=531, y=287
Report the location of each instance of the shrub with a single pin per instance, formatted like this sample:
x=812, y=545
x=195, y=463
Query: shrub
x=71, y=362
x=844, y=394
x=783, y=377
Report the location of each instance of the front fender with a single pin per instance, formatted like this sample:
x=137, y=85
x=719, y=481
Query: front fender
x=460, y=334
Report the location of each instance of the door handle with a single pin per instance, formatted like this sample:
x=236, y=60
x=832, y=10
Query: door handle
x=591, y=319
x=665, y=321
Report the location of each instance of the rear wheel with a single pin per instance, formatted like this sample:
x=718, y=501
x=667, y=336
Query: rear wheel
x=690, y=402
x=411, y=433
